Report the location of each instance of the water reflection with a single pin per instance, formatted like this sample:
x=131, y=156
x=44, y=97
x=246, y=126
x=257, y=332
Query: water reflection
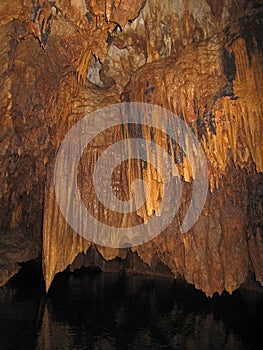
x=110, y=311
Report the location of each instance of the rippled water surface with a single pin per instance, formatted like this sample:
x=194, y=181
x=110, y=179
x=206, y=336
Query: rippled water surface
x=113, y=311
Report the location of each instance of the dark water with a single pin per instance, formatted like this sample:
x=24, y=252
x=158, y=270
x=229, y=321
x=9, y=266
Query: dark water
x=112, y=311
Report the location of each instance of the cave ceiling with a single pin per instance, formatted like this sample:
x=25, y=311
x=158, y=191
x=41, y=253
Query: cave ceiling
x=201, y=60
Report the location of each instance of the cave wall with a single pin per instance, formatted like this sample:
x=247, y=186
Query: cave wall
x=202, y=60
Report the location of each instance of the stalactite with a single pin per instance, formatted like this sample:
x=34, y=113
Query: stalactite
x=193, y=58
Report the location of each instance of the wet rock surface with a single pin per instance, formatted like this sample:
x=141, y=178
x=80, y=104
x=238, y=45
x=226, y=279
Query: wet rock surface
x=61, y=60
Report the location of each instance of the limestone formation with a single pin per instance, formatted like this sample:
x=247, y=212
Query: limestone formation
x=202, y=60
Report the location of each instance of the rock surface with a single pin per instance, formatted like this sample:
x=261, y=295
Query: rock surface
x=202, y=60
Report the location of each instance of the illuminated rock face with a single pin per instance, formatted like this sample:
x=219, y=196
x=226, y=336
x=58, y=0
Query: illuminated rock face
x=199, y=59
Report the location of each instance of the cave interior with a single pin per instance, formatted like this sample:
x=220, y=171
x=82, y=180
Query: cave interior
x=200, y=60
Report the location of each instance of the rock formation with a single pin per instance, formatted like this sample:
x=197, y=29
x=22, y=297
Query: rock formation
x=201, y=60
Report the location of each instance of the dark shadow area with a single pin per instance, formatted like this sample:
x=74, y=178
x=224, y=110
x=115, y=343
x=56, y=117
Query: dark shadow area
x=89, y=309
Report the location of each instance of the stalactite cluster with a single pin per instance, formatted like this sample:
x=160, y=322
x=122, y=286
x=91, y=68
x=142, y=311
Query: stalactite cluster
x=61, y=60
